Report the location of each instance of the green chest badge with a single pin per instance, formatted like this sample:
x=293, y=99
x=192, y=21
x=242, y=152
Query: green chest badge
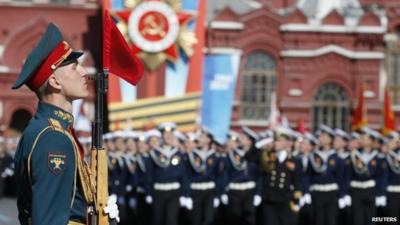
x=57, y=162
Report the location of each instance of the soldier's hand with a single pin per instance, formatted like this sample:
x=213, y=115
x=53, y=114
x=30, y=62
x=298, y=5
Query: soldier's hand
x=342, y=203
x=216, y=202
x=112, y=208
x=149, y=199
x=257, y=200
x=224, y=199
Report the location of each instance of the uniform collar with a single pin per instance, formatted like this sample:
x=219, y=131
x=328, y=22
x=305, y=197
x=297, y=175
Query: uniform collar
x=50, y=111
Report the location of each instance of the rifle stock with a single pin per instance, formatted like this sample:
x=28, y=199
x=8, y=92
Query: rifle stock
x=99, y=156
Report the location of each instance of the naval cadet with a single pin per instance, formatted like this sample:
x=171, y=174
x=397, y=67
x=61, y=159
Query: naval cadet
x=170, y=183
x=325, y=174
x=366, y=179
x=241, y=178
x=54, y=186
x=340, y=144
x=393, y=178
x=204, y=175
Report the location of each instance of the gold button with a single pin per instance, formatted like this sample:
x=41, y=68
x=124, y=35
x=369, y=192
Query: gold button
x=283, y=174
x=282, y=180
x=280, y=186
x=272, y=184
x=273, y=178
x=273, y=172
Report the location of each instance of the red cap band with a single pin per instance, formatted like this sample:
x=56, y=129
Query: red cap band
x=55, y=58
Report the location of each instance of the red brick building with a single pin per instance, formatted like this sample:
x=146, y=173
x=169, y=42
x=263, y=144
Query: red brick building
x=314, y=54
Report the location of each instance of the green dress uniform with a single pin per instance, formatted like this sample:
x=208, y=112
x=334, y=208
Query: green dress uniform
x=52, y=178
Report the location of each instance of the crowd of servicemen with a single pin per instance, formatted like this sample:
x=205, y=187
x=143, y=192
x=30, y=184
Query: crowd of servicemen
x=278, y=176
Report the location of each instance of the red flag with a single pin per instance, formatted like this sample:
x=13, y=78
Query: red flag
x=118, y=58
x=359, y=116
x=301, y=127
x=389, y=119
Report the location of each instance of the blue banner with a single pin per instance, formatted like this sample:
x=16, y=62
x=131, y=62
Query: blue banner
x=218, y=93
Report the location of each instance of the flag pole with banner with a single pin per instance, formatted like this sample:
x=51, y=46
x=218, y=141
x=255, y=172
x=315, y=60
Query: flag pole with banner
x=118, y=60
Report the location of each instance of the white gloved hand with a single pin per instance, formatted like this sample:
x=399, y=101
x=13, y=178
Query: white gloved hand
x=189, y=203
x=307, y=199
x=380, y=201
x=342, y=203
x=224, y=199
x=347, y=200
x=257, y=200
x=302, y=201
x=216, y=202
x=182, y=201
x=112, y=208
x=149, y=199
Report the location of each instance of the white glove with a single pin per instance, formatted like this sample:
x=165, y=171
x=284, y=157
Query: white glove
x=112, y=208
x=149, y=199
x=256, y=200
x=224, y=199
x=7, y=173
x=342, y=203
x=302, y=201
x=380, y=201
x=347, y=200
x=189, y=203
x=307, y=199
x=216, y=202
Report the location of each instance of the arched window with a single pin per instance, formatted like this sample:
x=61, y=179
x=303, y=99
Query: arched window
x=331, y=106
x=258, y=83
x=393, y=67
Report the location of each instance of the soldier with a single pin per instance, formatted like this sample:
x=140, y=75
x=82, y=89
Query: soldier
x=143, y=180
x=170, y=183
x=131, y=177
x=204, y=175
x=393, y=180
x=280, y=183
x=340, y=144
x=307, y=145
x=366, y=181
x=241, y=178
x=53, y=183
x=325, y=174
x=4, y=166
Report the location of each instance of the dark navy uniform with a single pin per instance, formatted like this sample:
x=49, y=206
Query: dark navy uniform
x=204, y=175
x=143, y=188
x=325, y=173
x=49, y=164
x=241, y=178
x=393, y=184
x=366, y=183
x=169, y=183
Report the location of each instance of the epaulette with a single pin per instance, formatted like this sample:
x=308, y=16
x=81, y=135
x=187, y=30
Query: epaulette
x=56, y=125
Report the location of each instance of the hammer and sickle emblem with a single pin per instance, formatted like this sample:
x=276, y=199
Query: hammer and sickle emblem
x=152, y=27
x=57, y=162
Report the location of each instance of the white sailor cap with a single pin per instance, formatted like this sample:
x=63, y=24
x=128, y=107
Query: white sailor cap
x=372, y=133
x=264, y=141
x=1, y=139
x=311, y=138
x=283, y=132
x=108, y=136
x=192, y=136
x=354, y=135
x=119, y=134
x=141, y=136
x=167, y=126
x=131, y=134
x=250, y=133
x=341, y=133
x=153, y=133
x=179, y=135
x=393, y=135
x=325, y=129
x=233, y=135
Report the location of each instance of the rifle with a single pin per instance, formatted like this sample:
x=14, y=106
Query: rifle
x=98, y=159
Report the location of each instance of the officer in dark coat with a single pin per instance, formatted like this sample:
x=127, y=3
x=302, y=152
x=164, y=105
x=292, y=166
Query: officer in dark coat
x=280, y=186
x=53, y=181
x=170, y=183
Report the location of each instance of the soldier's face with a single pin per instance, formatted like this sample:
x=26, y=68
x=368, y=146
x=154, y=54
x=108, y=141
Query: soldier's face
x=72, y=80
x=305, y=146
x=339, y=143
x=204, y=140
x=325, y=139
x=281, y=143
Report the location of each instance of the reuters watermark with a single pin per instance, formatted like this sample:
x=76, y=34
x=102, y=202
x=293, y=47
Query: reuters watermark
x=384, y=219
